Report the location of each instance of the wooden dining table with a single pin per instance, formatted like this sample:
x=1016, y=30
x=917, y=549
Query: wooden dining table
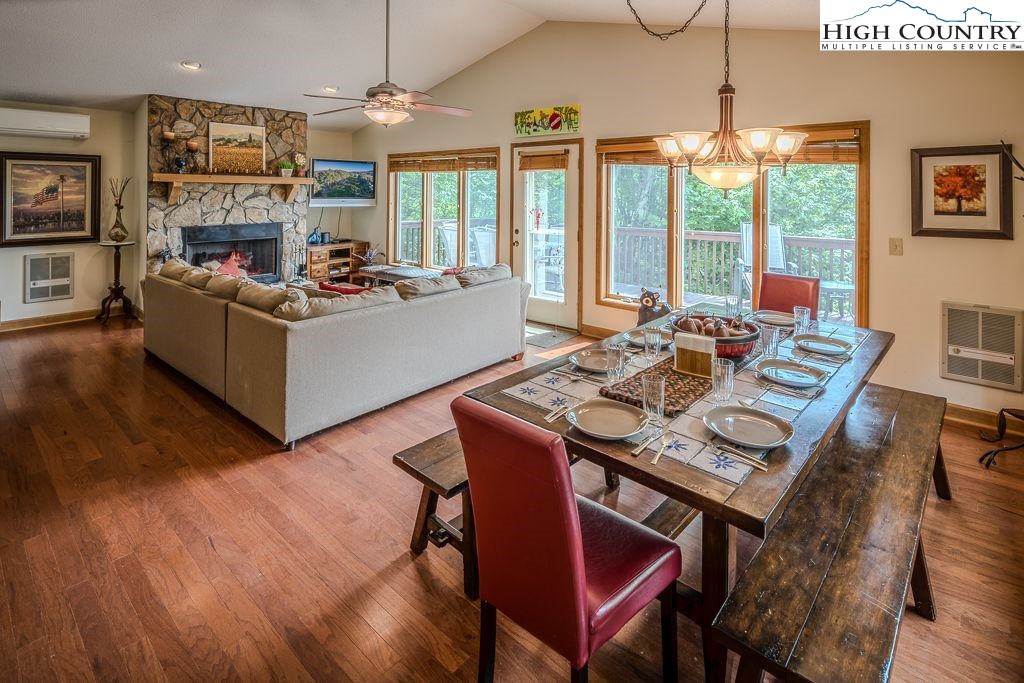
x=754, y=506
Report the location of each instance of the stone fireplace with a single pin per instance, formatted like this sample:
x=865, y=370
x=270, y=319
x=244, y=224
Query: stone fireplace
x=249, y=249
x=201, y=205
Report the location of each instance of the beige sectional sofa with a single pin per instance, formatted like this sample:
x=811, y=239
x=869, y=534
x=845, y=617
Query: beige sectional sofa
x=344, y=357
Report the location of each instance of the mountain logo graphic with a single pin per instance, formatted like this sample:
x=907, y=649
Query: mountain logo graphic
x=973, y=15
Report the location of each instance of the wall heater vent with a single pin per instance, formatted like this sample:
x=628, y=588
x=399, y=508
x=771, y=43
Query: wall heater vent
x=983, y=345
x=49, y=277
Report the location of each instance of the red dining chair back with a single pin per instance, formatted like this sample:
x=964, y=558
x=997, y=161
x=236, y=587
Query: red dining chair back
x=783, y=292
x=557, y=577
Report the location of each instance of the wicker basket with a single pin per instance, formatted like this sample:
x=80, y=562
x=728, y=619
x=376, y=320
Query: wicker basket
x=729, y=347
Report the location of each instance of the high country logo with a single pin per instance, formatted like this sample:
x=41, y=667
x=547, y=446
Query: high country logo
x=936, y=25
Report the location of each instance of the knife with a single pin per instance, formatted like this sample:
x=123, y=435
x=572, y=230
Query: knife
x=646, y=442
x=742, y=457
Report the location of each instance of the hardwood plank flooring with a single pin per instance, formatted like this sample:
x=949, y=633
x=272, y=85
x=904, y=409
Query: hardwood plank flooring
x=149, y=533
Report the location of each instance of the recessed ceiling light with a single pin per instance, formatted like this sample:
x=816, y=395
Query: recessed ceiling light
x=191, y=66
x=330, y=89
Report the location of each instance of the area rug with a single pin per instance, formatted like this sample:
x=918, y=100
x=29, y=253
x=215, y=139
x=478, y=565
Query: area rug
x=546, y=337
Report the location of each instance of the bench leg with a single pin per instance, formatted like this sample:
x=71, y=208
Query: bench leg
x=428, y=506
x=921, y=585
x=941, y=478
x=669, y=635
x=749, y=671
x=470, y=570
x=718, y=565
x=611, y=480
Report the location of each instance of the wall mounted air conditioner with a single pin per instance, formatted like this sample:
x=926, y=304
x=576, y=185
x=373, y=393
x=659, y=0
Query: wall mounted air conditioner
x=43, y=124
x=983, y=345
x=49, y=276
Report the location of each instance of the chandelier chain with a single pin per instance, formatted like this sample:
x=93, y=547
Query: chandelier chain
x=666, y=34
x=726, y=41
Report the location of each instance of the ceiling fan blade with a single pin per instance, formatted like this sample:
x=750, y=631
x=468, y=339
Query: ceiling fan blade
x=333, y=97
x=413, y=96
x=441, y=109
x=335, y=111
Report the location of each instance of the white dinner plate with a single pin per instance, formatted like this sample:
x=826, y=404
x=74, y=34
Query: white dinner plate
x=636, y=338
x=603, y=418
x=777, y=318
x=790, y=373
x=827, y=346
x=591, y=360
x=748, y=426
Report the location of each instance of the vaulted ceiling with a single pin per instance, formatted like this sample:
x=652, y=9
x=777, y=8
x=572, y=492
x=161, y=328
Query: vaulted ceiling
x=107, y=53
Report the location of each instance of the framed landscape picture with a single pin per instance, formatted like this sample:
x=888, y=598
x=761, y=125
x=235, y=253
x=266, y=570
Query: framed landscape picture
x=961, y=192
x=49, y=198
x=237, y=149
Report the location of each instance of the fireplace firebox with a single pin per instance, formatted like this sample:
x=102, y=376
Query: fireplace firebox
x=251, y=249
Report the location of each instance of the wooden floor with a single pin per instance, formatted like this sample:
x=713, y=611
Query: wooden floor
x=147, y=532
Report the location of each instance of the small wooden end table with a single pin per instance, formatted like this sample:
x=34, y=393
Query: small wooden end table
x=117, y=290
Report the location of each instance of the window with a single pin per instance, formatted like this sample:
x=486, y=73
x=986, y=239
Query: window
x=443, y=209
x=664, y=229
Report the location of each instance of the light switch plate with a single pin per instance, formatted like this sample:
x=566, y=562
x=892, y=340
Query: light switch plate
x=895, y=246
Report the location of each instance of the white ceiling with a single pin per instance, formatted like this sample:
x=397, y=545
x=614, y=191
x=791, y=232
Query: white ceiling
x=108, y=53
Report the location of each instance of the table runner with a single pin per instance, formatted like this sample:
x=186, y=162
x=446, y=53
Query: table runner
x=681, y=391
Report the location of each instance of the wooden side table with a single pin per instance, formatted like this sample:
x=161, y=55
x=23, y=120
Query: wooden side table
x=117, y=291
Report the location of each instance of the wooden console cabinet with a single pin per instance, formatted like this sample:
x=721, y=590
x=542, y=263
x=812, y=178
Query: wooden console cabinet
x=334, y=262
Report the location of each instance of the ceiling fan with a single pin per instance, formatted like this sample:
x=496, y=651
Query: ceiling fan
x=386, y=103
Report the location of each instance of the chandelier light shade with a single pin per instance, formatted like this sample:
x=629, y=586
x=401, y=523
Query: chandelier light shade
x=727, y=158
x=387, y=116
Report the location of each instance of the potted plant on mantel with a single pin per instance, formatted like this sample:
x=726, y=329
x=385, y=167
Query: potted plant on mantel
x=285, y=168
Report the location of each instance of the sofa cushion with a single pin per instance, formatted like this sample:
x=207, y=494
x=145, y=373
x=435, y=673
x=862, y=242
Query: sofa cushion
x=426, y=286
x=225, y=286
x=267, y=298
x=295, y=311
x=197, y=277
x=479, y=276
x=175, y=268
x=312, y=292
x=342, y=289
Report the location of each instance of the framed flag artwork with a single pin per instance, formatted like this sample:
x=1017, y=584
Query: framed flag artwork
x=49, y=198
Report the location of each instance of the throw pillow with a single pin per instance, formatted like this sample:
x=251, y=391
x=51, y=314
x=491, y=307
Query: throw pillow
x=175, y=268
x=267, y=298
x=479, y=276
x=312, y=292
x=225, y=286
x=426, y=286
x=295, y=311
x=197, y=277
x=342, y=289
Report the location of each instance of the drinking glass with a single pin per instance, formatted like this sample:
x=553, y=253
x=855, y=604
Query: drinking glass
x=802, y=319
x=654, y=398
x=770, y=341
x=722, y=374
x=652, y=343
x=616, y=359
x=732, y=306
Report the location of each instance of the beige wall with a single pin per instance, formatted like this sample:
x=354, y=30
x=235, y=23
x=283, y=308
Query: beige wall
x=112, y=137
x=330, y=145
x=630, y=84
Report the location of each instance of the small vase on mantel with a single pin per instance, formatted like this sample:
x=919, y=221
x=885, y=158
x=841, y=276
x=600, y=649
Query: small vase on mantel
x=117, y=232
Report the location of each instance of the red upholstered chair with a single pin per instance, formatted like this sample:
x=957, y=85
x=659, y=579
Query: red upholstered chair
x=783, y=292
x=569, y=571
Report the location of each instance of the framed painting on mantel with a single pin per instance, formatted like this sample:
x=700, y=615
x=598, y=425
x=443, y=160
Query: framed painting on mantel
x=49, y=198
x=961, y=192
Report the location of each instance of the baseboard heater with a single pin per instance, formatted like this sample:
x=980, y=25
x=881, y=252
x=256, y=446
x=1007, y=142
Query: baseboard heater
x=983, y=345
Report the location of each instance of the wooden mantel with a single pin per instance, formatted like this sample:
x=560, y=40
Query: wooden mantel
x=176, y=181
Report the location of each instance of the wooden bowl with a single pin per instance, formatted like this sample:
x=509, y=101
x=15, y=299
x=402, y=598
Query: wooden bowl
x=729, y=347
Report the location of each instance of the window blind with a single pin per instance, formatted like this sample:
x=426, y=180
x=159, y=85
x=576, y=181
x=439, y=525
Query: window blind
x=544, y=161
x=456, y=163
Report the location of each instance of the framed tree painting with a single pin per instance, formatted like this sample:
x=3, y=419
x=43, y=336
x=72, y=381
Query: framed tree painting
x=49, y=198
x=961, y=192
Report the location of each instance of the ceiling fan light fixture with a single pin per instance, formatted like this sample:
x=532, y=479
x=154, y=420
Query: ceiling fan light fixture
x=387, y=116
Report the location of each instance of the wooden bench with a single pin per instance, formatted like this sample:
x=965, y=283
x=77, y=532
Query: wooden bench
x=823, y=598
x=437, y=463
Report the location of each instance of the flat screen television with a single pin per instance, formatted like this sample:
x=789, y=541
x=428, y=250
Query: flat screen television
x=339, y=182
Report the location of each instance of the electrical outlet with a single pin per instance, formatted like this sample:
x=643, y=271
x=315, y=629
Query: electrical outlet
x=895, y=246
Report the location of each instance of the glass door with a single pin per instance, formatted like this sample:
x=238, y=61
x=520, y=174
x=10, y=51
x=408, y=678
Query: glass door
x=545, y=232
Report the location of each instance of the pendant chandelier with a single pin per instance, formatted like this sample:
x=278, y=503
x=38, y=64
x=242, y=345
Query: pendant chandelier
x=727, y=158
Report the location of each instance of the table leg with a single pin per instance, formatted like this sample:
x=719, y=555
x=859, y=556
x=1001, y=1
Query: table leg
x=941, y=478
x=718, y=571
x=104, y=314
